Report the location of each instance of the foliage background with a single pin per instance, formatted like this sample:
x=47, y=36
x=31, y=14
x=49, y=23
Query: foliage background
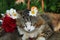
x=49, y=5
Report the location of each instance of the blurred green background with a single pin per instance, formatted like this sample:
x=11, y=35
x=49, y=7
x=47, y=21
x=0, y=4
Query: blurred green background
x=49, y=5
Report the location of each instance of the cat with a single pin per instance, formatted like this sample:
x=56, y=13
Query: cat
x=33, y=28
x=54, y=20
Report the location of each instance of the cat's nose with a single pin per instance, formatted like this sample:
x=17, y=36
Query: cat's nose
x=29, y=30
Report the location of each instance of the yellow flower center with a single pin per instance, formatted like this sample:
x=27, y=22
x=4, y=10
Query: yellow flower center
x=14, y=14
x=33, y=12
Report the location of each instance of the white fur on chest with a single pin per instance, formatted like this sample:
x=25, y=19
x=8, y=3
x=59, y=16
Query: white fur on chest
x=31, y=34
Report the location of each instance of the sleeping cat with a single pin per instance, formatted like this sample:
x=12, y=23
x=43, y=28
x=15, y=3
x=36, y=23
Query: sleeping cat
x=33, y=28
x=53, y=20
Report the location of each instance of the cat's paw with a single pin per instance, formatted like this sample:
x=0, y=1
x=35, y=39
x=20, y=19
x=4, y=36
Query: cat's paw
x=41, y=38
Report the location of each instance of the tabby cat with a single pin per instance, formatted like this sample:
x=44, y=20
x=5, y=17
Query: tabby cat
x=33, y=28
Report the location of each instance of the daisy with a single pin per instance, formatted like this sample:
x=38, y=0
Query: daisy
x=13, y=13
x=33, y=11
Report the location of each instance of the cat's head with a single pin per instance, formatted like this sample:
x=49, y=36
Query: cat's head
x=29, y=23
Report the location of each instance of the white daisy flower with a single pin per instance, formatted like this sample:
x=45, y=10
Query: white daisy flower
x=12, y=13
x=33, y=11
